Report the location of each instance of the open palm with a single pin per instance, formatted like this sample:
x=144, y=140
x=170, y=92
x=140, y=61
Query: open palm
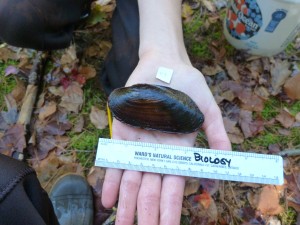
x=157, y=198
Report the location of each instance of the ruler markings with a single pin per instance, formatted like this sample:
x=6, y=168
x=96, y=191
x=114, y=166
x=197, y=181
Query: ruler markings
x=215, y=164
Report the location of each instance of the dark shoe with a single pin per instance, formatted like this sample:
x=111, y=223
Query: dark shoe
x=72, y=200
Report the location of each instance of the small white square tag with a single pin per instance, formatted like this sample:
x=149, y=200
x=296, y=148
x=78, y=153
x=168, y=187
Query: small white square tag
x=164, y=74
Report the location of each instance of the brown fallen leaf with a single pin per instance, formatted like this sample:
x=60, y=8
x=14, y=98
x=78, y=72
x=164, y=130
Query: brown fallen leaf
x=228, y=95
x=285, y=118
x=279, y=74
x=262, y=92
x=191, y=186
x=209, y=185
x=13, y=139
x=274, y=148
x=18, y=91
x=69, y=57
x=105, y=46
x=207, y=207
x=256, y=68
x=95, y=174
x=78, y=127
x=72, y=98
x=250, y=101
x=93, y=50
x=292, y=182
x=53, y=166
x=232, y=70
x=98, y=118
x=210, y=70
x=234, y=133
x=10, y=102
x=57, y=91
x=249, y=127
x=61, y=143
x=292, y=87
x=47, y=110
x=53, y=127
x=87, y=71
x=204, y=199
x=44, y=145
x=209, y=5
x=6, y=54
x=268, y=202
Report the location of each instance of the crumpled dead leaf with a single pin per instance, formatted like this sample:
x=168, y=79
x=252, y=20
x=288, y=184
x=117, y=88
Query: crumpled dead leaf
x=47, y=110
x=10, y=101
x=56, y=128
x=232, y=70
x=209, y=5
x=57, y=91
x=191, y=186
x=44, y=145
x=209, y=185
x=285, y=118
x=210, y=70
x=87, y=71
x=54, y=166
x=279, y=73
x=234, y=133
x=256, y=68
x=292, y=87
x=249, y=127
x=78, y=127
x=98, y=118
x=18, y=91
x=13, y=140
x=250, y=101
x=204, y=199
x=69, y=57
x=268, y=202
x=6, y=54
x=72, y=98
x=207, y=209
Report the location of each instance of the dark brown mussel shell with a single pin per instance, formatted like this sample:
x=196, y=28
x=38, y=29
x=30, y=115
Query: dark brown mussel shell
x=155, y=107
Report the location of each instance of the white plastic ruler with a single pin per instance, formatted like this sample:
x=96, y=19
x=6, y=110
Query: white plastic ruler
x=192, y=162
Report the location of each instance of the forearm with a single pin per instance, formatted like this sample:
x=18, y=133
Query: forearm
x=161, y=29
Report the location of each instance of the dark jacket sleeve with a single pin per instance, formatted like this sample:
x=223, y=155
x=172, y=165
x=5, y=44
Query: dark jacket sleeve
x=39, y=24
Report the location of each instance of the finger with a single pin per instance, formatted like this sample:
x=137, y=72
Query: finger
x=171, y=199
x=111, y=186
x=129, y=189
x=215, y=130
x=148, y=199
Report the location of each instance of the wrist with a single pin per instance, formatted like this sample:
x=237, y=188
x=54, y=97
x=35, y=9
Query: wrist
x=164, y=58
x=161, y=29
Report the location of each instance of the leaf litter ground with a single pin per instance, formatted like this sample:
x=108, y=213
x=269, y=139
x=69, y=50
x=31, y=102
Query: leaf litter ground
x=258, y=96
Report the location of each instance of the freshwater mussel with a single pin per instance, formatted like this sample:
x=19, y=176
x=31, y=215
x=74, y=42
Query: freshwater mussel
x=155, y=107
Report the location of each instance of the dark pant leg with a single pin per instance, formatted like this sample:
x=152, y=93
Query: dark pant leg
x=123, y=56
x=40, y=24
x=22, y=199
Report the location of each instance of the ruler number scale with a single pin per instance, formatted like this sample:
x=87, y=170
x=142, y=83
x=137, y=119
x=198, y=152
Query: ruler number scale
x=188, y=161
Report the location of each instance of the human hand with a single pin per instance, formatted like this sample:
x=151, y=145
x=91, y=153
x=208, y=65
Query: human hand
x=158, y=199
